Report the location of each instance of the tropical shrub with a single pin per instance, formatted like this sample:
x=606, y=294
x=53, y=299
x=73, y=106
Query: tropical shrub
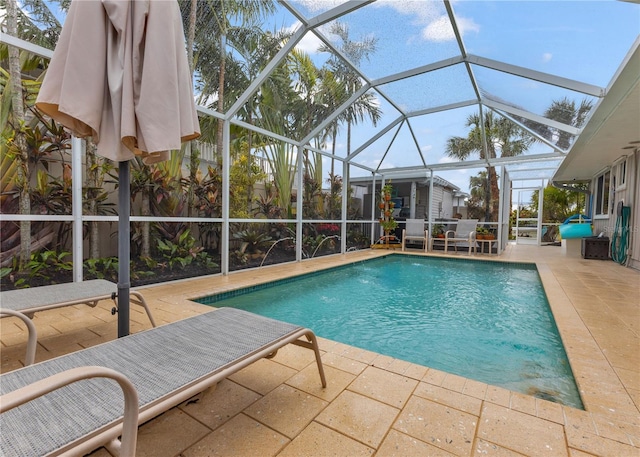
x=253, y=241
x=183, y=252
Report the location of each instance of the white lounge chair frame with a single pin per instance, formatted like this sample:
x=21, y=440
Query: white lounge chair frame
x=465, y=232
x=167, y=365
x=415, y=230
x=31, y=329
x=32, y=300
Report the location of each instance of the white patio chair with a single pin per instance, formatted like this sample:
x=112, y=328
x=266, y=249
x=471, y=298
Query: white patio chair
x=463, y=235
x=414, y=230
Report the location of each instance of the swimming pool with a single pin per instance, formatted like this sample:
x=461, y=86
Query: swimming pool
x=483, y=320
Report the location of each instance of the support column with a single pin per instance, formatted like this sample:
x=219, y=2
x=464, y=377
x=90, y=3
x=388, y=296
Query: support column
x=374, y=206
x=224, y=233
x=412, y=200
x=76, y=205
x=345, y=206
x=299, y=206
x=430, y=203
x=124, y=248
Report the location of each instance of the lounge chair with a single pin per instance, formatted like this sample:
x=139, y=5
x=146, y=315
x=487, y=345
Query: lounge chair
x=31, y=329
x=463, y=235
x=35, y=299
x=415, y=230
x=167, y=365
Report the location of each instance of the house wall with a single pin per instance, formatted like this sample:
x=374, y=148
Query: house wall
x=634, y=201
x=437, y=201
x=629, y=194
x=447, y=205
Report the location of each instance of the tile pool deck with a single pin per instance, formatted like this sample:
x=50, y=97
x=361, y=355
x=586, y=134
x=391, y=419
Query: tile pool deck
x=378, y=406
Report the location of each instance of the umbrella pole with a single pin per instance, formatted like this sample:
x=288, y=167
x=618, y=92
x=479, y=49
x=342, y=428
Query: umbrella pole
x=124, y=254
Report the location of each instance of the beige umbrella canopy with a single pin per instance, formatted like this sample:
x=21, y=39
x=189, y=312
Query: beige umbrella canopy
x=119, y=73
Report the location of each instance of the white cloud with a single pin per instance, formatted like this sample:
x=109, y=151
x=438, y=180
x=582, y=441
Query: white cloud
x=429, y=15
x=309, y=44
x=438, y=30
x=447, y=159
x=441, y=30
x=547, y=56
x=319, y=5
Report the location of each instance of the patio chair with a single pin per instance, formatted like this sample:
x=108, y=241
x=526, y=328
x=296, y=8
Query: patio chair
x=32, y=342
x=415, y=230
x=166, y=366
x=464, y=235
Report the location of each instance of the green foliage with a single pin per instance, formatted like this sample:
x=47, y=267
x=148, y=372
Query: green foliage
x=437, y=229
x=102, y=268
x=239, y=258
x=266, y=204
x=558, y=204
x=244, y=173
x=45, y=265
x=253, y=241
x=334, y=199
x=5, y=271
x=181, y=252
x=311, y=242
x=387, y=222
x=356, y=237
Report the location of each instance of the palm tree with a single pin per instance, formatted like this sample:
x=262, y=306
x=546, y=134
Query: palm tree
x=20, y=144
x=221, y=23
x=477, y=189
x=255, y=51
x=365, y=106
x=568, y=113
x=503, y=137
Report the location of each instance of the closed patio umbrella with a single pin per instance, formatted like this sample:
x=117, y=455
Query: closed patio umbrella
x=119, y=73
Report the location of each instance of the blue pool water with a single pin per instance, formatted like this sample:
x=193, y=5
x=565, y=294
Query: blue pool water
x=488, y=321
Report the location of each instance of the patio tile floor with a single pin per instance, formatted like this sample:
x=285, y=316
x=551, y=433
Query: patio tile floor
x=375, y=405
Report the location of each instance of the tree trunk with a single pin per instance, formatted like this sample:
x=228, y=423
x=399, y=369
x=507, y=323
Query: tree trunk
x=191, y=33
x=92, y=183
x=333, y=160
x=194, y=162
x=20, y=141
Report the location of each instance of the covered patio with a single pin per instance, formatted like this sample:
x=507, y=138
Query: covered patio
x=376, y=405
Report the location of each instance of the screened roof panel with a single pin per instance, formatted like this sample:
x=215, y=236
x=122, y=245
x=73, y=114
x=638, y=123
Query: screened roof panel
x=311, y=8
x=405, y=35
x=433, y=129
x=362, y=131
x=430, y=90
x=532, y=170
x=402, y=153
x=558, y=37
x=533, y=96
x=549, y=134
